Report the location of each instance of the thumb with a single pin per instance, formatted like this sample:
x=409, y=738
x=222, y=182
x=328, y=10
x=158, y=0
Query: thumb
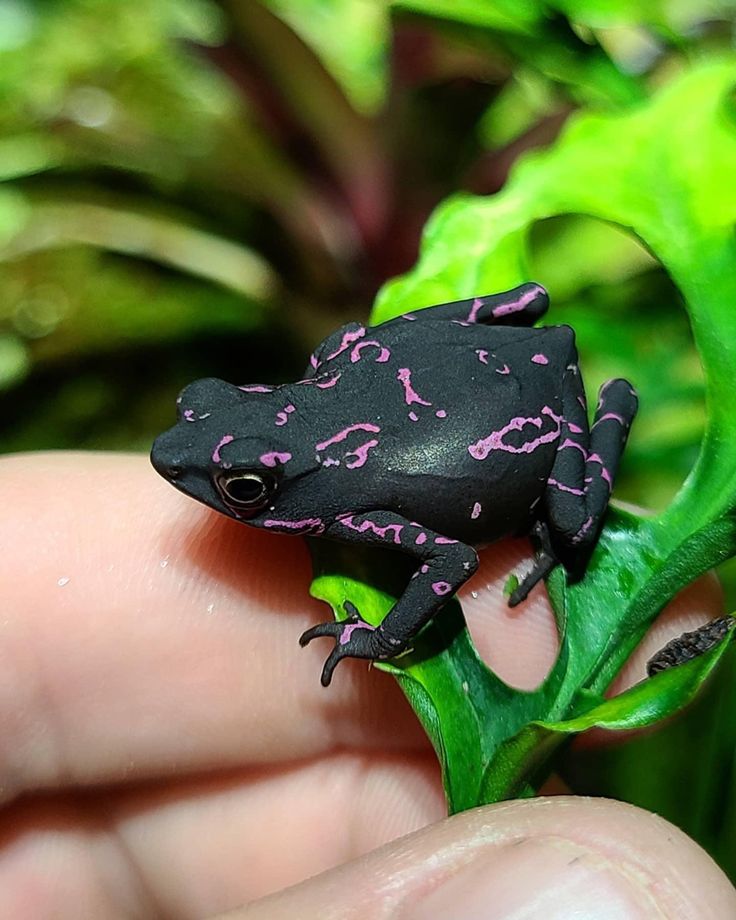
x=551, y=859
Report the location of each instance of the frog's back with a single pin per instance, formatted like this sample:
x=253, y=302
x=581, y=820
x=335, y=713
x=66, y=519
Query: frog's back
x=467, y=416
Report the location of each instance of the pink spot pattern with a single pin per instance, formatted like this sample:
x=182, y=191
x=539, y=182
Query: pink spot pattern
x=517, y=305
x=475, y=307
x=368, y=525
x=307, y=525
x=350, y=628
x=222, y=442
x=283, y=416
x=495, y=440
x=383, y=354
x=476, y=512
x=273, y=458
x=410, y=394
x=356, y=456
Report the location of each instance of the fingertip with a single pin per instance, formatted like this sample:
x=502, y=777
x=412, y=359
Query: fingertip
x=556, y=858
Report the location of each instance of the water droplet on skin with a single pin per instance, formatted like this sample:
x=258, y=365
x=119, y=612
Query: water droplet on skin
x=210, y=608
x=474, y=595
x=164, y=562
x=62, y=581
x=466, y=688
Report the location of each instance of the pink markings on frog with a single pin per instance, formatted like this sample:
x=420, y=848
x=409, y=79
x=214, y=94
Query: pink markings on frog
x=368, y=525
x=350, y=628
x=441, y=587
x=612, y=416
x=409, y=316
x=574, y=429
x=410, y=394
x=424, y=569
x=583, y=531
x=563, y=488
x=444, y=541
x=320, y=382
x=383, y=355
x=516, y=305
x=282, y=417
x=473, y=315
x=223, y=441
x=330, y=382
x=189, y=415
x=594, y=458
x=360, y=454
x=274, y=457
x=440, y=413
x=568, y=442
x=482, y=355
x=503, y=370
x=477, y=508
x=352, y=335
x=307, y=525
x=341, y=435
x=256, y=388
x=540, y=359
x=413, y=416
x=356, y=457
x=420, y=538
x=495, y=440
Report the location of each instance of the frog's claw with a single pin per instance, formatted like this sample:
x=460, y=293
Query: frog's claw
x=354, y=638
x=544, y=561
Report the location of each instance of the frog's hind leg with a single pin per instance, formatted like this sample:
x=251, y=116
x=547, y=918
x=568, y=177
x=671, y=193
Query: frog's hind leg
x=580, y=484
x=522, y=306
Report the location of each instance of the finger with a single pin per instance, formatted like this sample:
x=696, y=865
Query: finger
x=192, y=847
x=551, y=858
x=144, y=635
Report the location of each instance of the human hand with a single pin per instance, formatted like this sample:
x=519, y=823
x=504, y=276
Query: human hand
x=167, y=749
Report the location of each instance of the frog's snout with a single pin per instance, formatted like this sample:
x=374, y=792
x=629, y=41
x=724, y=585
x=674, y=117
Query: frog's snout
x=165, y=460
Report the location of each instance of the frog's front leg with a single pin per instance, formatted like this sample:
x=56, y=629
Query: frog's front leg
x=444, y=565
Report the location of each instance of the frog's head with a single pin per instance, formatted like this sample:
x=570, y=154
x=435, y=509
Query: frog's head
x=225, y=450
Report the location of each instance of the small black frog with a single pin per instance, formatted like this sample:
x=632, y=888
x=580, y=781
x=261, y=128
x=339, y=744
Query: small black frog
x=435, y=432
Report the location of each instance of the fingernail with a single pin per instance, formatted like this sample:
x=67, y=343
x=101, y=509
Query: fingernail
x=540, y=878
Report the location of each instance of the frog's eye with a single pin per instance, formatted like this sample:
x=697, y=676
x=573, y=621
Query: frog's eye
x=246, y=490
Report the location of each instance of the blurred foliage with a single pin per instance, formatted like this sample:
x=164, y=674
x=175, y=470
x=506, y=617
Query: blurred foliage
x=196, y=187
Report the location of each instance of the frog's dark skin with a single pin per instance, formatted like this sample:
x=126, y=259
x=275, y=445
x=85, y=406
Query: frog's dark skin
x=432, y=433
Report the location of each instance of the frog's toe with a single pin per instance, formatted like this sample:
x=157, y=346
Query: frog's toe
x=354, y=638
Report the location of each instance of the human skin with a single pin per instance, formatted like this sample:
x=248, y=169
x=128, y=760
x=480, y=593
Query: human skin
x=166, y=749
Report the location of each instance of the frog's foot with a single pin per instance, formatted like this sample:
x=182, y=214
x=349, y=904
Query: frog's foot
x=354, y=638
x=544, y=561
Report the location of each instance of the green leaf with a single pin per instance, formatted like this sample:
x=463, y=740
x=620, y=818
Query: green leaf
x=352, y=39
x=651, y=700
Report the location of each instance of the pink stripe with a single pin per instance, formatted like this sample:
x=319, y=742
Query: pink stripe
x=341, y=435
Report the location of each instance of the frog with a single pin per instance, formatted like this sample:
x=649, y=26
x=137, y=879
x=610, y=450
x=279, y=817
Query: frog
x=434, y=433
